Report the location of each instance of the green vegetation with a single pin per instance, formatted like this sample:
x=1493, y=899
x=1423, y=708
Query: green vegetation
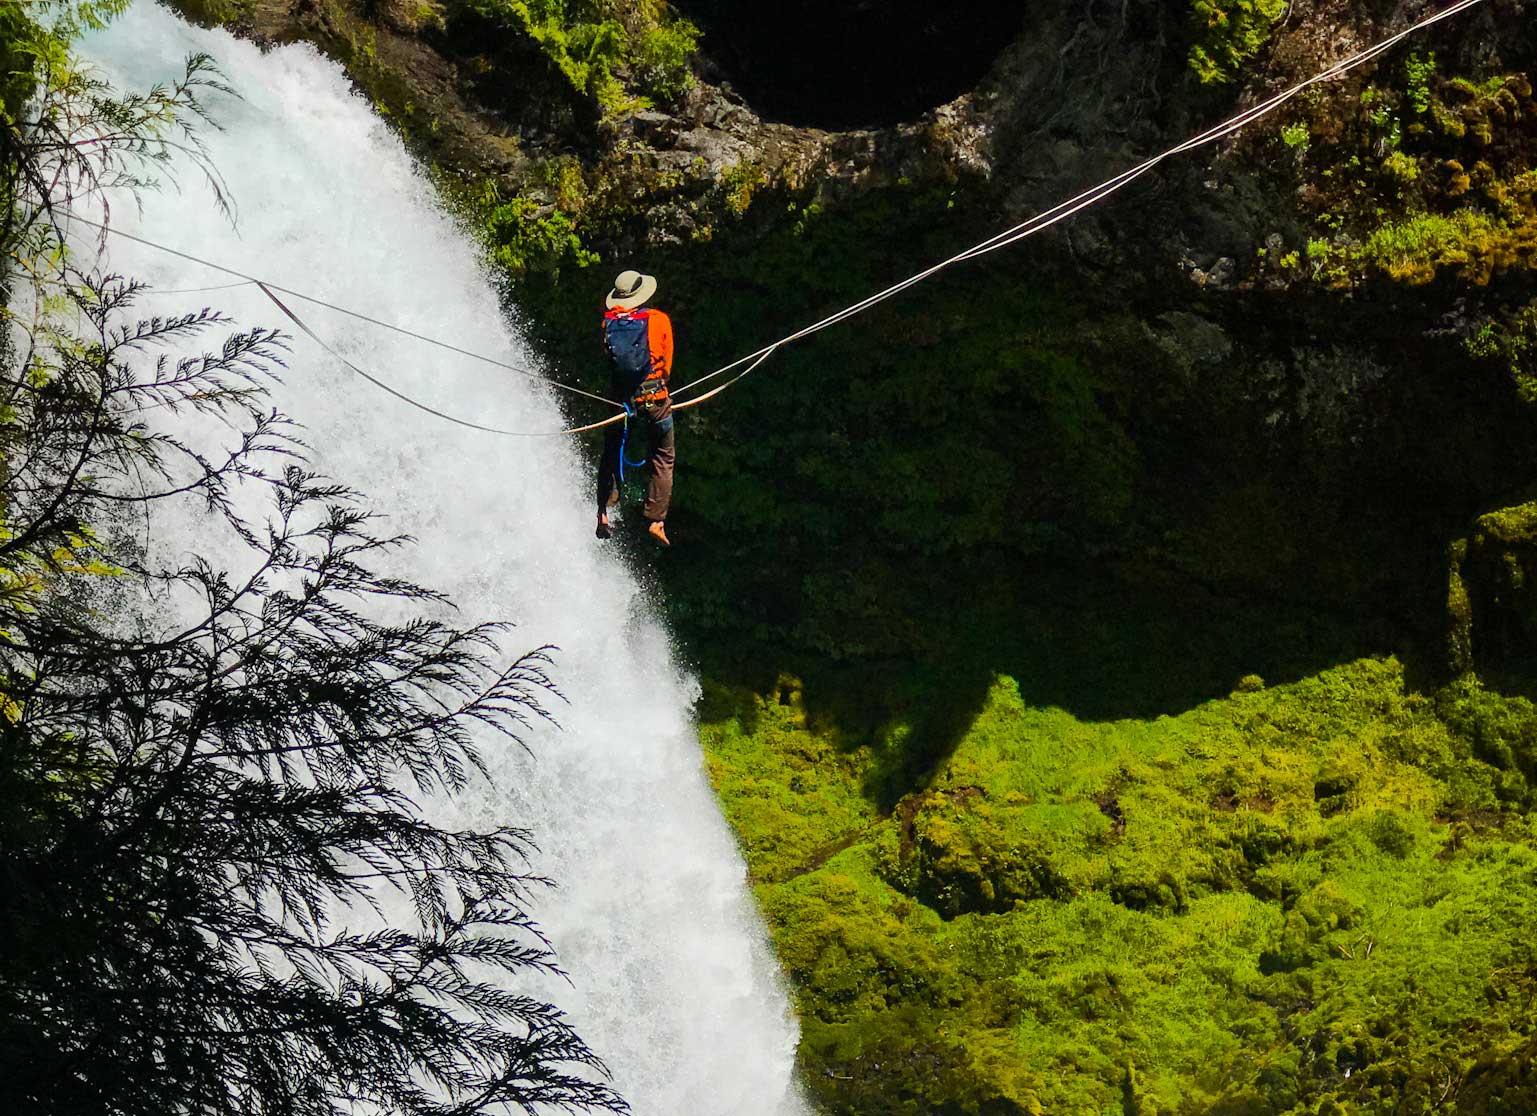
x=1304, y=898
x=624, y=54
x=1296, y=136
x=1228, y=34
x=1511, y=342
x=1063, y=732
x=1418, y=71
x=1420, y=174
x=1413, y=249
x=216, y=13
x=524, y=236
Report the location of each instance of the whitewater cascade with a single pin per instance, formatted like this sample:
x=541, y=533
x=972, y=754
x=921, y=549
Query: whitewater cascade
x=674, y=985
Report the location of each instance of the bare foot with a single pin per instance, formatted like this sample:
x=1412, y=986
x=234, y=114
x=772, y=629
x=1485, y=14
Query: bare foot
x=658, y=531
x=603, y=532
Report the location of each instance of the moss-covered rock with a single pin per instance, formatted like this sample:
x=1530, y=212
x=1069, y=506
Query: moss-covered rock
x=1502, y=1082
x=1494, y=597
x=1264, y=904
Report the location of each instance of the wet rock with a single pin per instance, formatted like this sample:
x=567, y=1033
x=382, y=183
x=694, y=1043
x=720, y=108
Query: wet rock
x=1222, y=273
x=653, y=126
x=718, y=150
x=1191, y=342
x=670, y=224
x=1492, y=602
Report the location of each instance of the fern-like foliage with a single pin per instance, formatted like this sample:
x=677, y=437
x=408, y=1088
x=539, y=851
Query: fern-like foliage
x=210, y=772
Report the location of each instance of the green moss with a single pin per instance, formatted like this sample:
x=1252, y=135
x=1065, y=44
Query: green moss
x=1516, y=524
x=215, y=13
x=1401, y=167
x=739, y=183
x=1420, y=176
x=1265, y=904
x=1459, y=624
x=623, y=55
x=1415, y=248
x=795, y=791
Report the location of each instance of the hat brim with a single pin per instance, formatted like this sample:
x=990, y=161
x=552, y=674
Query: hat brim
x=638, y=297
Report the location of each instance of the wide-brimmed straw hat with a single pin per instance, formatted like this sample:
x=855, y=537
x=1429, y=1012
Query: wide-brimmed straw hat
x=631, y=289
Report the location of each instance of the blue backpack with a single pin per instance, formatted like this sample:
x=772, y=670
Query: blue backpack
x=628, y=341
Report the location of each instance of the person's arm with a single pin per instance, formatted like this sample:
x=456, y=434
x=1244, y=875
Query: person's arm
x=660, y=333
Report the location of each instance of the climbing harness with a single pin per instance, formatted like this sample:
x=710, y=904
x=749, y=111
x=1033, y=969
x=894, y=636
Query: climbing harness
x=1039, y=223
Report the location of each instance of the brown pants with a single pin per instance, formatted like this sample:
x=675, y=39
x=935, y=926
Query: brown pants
x=651, y=427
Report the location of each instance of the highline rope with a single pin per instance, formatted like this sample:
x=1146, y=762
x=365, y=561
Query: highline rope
x=1030, y=227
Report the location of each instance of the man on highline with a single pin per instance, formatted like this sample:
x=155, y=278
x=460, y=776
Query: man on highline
x=638, y=340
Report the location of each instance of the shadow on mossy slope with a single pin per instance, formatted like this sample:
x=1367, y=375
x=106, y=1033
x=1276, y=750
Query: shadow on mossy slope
x=1102, y=648
x=1299, y=898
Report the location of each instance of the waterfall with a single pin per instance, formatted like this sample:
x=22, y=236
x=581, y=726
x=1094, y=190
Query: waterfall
x=673, y=983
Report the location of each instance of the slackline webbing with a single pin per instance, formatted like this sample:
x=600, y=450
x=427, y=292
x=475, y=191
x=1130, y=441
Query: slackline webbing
x=1038, y=223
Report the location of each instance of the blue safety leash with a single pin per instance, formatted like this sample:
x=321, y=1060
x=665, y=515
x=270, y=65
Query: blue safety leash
x=624, y=437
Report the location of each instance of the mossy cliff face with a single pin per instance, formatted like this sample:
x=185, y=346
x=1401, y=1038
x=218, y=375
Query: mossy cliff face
x=1117, y=651
x=1307, y=898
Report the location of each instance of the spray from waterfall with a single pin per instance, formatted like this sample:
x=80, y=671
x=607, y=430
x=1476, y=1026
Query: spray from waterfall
x=672, y=981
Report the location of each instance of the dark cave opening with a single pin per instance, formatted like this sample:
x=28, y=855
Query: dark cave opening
x=841, y=64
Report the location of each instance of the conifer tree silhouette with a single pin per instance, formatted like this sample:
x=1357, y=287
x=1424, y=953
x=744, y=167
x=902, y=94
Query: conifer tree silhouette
x=209, y=778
